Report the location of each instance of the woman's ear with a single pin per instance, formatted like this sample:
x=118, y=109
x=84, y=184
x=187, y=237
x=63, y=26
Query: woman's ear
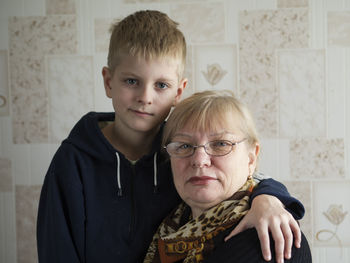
x=253, y=157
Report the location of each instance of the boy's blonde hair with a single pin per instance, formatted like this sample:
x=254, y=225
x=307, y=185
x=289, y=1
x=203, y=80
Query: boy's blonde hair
x=147, y=34
x=209, y=110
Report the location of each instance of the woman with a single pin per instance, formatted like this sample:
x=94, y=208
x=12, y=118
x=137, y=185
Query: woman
x=213, y=147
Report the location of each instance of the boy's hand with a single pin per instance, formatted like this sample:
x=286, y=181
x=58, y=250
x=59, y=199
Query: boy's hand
x=267, y=214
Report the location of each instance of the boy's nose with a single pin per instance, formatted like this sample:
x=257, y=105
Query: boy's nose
x=145, y=95
x=200, y=158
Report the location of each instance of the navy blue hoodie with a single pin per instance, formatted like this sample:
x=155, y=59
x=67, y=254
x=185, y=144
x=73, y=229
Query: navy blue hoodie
x=95, y=206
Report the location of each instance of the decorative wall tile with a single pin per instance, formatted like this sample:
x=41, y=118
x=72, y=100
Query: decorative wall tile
x=301, y=190
x=331, y=214
x=5, y=175
x=317, y=158
x=31, y=38
x=261, y=33
x=301, y=82
x=339, y=29
x=4, y=87
x=27, y=199
x=71, y=89
x=197, y=30
x=216, y=67
x=60, y=7
x=292, y=3
x=102, y=34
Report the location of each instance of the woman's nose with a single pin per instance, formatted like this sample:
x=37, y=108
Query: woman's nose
x=200, y=158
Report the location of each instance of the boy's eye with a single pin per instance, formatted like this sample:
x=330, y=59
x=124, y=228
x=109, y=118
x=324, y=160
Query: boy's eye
x=131, y=81
x=162, y=85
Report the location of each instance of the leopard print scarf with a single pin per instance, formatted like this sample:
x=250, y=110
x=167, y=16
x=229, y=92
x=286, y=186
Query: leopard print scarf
x=189, y=242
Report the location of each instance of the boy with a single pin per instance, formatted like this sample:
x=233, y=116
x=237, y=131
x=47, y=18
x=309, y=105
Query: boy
x=108, y=186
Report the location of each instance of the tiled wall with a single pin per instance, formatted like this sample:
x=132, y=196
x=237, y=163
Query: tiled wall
x=288, y=59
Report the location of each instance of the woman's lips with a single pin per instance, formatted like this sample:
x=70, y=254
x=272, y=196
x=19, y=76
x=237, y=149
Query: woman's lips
x=201, y=180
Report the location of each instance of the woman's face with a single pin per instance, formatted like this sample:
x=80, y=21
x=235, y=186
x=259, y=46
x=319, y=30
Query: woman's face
x=202, y=180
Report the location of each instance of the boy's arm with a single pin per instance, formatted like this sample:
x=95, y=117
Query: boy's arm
x=267, y=214
x=60, y=223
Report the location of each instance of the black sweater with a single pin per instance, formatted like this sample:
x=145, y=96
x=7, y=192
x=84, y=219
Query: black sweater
x=95, y=206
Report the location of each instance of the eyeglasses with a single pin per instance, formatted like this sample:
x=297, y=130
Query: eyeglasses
x=213, y=148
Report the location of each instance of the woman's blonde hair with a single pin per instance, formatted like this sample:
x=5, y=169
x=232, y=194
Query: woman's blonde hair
x=209, y=110
x=147, y=34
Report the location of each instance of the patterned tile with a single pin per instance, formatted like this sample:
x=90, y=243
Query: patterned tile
x=4, y=87
x=301, y=190
x=331, y=214
x=61, y=7
x=261, y=33
x=71, y=91
x=27, y=199
x=215, y=67
x=301, y=82
x=292, y=3
x=339, y=29
x=5, y=175
x=317, y=158
x=31, y=38
x=196, y=30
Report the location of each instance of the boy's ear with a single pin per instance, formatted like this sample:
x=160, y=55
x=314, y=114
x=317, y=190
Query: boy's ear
x=107, y=76
x=180, y=89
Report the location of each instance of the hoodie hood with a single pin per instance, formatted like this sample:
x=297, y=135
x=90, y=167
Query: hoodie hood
x=87, y=136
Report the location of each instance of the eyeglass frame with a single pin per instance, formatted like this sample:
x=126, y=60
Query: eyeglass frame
x=194, y=148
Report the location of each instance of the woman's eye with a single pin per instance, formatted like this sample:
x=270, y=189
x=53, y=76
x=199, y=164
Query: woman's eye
x=162, y=85
x=220, y=144
x=184, y=146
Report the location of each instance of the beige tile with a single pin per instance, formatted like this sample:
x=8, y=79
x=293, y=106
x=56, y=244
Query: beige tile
x=292, y=3
x=202, y=22
x=71, y=91
x=4, y=87
x=316, y=158
x=31, y=38
x=61, y=7
x=27, y=199
x=102, y=33
x=261, y=33
x=339, y=29
x=301, y=74
x=5, y=175
x=301, y=190
x=188, y=73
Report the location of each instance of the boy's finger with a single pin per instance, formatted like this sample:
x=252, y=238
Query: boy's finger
x=239, y=228
x=278, y=238
x=288, y=240
x=264, y=238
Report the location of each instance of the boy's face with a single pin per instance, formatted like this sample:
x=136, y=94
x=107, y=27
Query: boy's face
x=143, y=91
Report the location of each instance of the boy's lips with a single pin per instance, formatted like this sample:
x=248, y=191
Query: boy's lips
x=142, y=113
x=201, y=180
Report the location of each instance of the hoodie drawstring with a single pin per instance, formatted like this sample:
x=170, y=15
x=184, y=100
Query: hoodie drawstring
x=155, y=182
x=120, y=192
x=155, y=179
